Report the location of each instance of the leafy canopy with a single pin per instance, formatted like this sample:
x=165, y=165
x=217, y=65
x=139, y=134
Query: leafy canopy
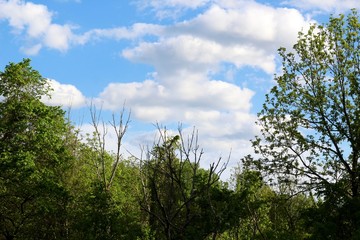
x=311, y=118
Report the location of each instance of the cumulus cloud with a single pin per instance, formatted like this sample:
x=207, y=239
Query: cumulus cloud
x=198, y=54
x=248, y=24
x=151, y=101
x=35, y=22
x=134, y=32
x=65, y=95
x=158, y=4
x=337, y=6
x=186, y=56
x=246, y=35
x=170, y=8
x=223, y=22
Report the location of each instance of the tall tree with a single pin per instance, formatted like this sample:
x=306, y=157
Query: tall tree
x=34, y=157
x=311, y=118
x=264, y=213
x=176, y=190
x=104, y=185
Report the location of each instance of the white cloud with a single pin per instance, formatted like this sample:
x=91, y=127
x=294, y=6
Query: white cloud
x=175, y=8
x=65, y=95
x=198, y=55
x=174, y=3
x=32, y=50
x=248, y=35
x=58, y=37
x=337, y=6
x=249, y=24
x=150, y=101
x=186, y=55
x=134, y=32
x=246, y=24
x=35, y=22
x=170, y=8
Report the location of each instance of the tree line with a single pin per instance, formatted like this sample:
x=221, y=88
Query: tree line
x=302, y=182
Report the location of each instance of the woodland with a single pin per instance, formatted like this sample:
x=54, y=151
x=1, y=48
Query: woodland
x=302, y=182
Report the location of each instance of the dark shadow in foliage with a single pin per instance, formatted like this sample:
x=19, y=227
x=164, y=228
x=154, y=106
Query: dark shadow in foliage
x=34, y=158
x=103, y=218
x=175, y=188
x=337, y=216
x=264, y=213
x=219, y=211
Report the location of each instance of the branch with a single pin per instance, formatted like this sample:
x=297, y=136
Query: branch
x=120, y=131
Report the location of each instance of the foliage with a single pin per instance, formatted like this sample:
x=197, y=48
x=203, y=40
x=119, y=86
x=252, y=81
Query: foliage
x=334, y=217
x=263, y=213
x=311, y=118
x=104, y=188
x=303, y=183
x=33, y=157
x=175, y=189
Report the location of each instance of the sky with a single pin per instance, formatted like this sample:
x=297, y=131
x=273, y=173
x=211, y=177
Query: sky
x=203, y=63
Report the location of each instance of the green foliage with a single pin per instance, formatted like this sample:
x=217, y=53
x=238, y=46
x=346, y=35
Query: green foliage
x=102, y=216
x=56, y=185
x=181, y=200
x=335, y=217
x=262, y=213
x=311, y=120
x=220, y=209
x=33, y=158
x=100, y=212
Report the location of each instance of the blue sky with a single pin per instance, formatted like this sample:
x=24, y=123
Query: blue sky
x=204, y=63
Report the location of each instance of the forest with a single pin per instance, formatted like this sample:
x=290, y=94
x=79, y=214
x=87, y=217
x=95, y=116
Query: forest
x=302, y=182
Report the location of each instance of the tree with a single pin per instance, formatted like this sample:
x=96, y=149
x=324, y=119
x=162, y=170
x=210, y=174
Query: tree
x=254, y=221
x=34, y=158
x=104, y=186
x=261, y=212
x=176, y=191
x=311, y=119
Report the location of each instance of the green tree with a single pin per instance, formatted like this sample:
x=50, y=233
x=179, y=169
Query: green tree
x=219, y=212
x=34, y=158
x=311, y=118
x=333, y=218
x=263, y=213
x=104, y=186
x=176, y=190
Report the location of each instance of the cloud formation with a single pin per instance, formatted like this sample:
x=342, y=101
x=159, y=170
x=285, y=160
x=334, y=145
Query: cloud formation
x=186, y=56
x=249, y=20
x=170, y=8
x=65, y=95
x=336, y=6
x=136, y=31
x=190, y=59
x=188, y=53
x=34, y=22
